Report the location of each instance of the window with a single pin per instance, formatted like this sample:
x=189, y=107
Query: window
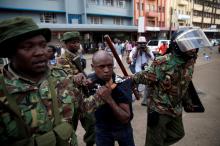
x=93, y=2
x=142, y=6
x=152, y=8
x=150, y=23
x=138, y=6
x=121, y=3
x=118, y=21
x=147, y=7
x=48, y=17
x=108, y=2
x=161, y=9
x=161, y=23
x=153, y=43
x=96, y=20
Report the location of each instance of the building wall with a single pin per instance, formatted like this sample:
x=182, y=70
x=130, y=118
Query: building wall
x=206, y=14
x=109, y=13
x=182, y=13
x=139, y=10
x=106, y=20
x=42, y=5
x=101, y=8
x=74, y=6
x=4, y=14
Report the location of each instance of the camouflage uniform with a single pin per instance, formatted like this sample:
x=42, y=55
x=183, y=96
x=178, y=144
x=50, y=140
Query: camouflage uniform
x=87, y=119
x=34, y=101
x=172, y=73
x=68, y=65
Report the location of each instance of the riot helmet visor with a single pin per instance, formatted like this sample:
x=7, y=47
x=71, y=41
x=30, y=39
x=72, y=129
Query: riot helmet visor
x=191, y=39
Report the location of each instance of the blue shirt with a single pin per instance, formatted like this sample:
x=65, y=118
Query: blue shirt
x=122, y=93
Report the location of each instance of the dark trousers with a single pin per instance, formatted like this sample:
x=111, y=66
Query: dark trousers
x=88, y=123
x=166, y=131
x=107, y=137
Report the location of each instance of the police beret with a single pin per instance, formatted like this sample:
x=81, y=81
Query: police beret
x=18, y=28
x=70, y=35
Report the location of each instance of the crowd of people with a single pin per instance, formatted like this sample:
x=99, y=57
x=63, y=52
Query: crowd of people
x=44, y=95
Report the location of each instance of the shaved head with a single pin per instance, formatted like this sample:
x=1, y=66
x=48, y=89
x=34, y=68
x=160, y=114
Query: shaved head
x=102, y=63
x=100, y=55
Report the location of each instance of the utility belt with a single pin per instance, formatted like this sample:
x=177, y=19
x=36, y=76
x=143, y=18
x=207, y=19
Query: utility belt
x=61, y=135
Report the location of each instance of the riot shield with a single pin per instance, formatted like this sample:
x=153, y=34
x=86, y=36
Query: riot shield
x=197, y=106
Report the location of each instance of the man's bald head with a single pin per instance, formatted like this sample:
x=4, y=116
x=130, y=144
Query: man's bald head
x=102, y=64
x=100, y=56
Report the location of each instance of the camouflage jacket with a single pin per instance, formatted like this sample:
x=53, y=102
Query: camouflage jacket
x=35, y=102
x=171, y=73
x=68, y=64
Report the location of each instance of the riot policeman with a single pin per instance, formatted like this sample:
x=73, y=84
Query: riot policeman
x=169, y=77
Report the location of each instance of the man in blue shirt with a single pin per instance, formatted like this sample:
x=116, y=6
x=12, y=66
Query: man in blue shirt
x=113, y=118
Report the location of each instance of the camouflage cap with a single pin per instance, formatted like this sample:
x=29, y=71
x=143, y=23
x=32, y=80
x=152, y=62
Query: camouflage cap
x=19, y=28
x=70, y=35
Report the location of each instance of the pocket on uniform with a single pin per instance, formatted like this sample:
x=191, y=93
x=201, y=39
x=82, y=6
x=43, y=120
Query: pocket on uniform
x=47, y=139
x=63, y=133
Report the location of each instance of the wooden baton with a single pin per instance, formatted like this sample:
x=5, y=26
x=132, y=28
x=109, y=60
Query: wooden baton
x=111, y=46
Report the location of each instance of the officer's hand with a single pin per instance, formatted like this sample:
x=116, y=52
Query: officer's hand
x=104, y=92
x=166, y=84
x=173, y=91
x=81, y=79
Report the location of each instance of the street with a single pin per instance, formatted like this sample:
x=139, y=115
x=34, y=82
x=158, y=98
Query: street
x=201, y=129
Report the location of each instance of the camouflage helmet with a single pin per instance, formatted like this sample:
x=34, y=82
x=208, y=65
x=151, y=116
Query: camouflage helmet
x=17, y=29
x=70, y=35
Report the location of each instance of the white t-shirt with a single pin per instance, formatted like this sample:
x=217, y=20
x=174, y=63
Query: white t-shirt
x=141, y=58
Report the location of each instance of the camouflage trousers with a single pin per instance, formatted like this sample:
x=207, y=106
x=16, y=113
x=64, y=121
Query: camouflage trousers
x=164, y=130
x=88, y=123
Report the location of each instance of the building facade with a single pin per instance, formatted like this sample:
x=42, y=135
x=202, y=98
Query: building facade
x=93, y=18
x=162, y=17
x=156, y=14
x=118, y=18
x=206, y=14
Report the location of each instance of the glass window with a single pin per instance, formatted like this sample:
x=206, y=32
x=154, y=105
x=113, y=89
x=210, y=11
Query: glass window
x=152, y=8
x=118, y=21
x=142, y=6
x=138, y=6
x=93, y=2
x=147, y=7
x=96, y=20
x=120, y=3
x=108, y=2
x=153, y=43
x=48, y=17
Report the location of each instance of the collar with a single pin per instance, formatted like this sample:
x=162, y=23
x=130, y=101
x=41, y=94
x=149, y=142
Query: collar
x=115, y=78
x=16, y=83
